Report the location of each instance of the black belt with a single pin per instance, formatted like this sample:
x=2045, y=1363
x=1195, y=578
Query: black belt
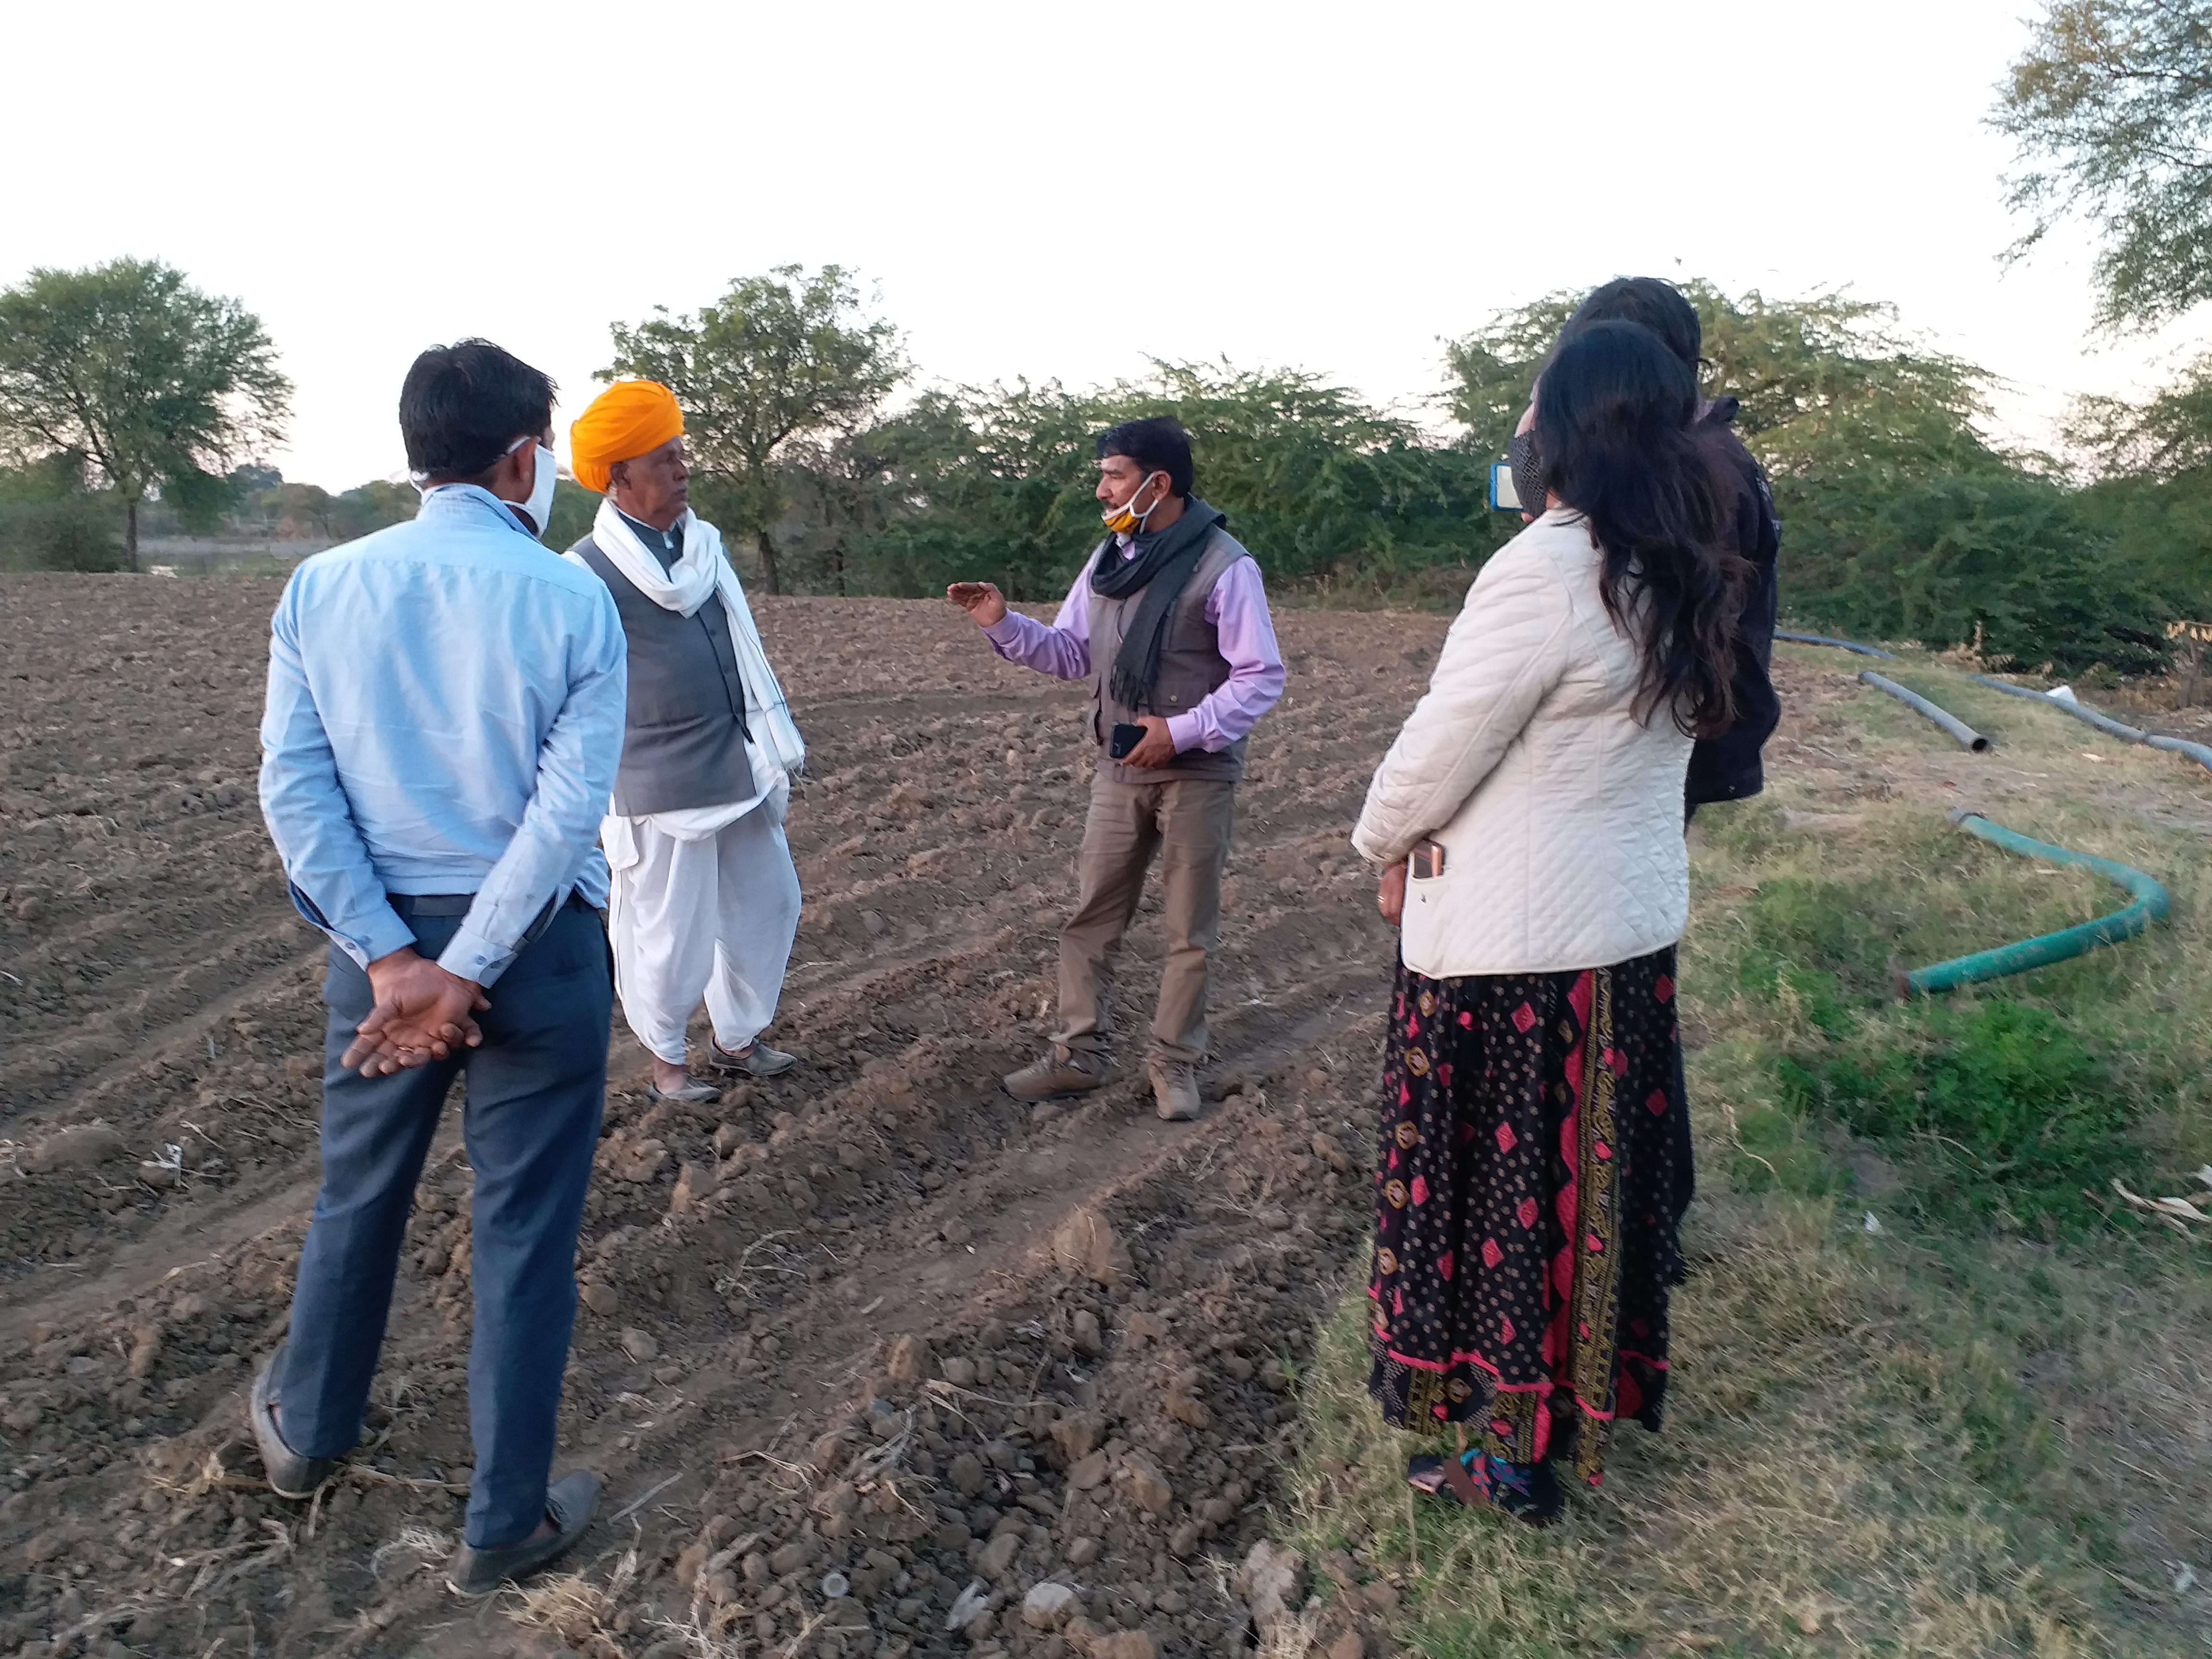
x=458, y=904
x=431, y=904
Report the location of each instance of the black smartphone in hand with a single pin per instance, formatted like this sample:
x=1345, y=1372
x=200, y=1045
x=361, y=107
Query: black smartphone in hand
x=1125, y=739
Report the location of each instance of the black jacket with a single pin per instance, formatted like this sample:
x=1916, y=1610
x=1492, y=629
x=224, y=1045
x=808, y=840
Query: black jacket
x=1728, y=767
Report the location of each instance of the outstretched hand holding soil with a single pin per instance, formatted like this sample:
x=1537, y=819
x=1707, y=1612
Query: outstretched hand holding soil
x=980, y=600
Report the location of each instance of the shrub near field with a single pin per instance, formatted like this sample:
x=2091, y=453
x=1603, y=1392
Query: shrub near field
x=49, y=521
x=1903, y=519
x=1934, y=1390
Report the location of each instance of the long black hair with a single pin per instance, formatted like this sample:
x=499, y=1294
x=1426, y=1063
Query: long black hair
x=1651, y=301
x=1613, y=414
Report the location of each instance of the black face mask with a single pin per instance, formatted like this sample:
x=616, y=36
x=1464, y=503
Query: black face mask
x=1528, y=472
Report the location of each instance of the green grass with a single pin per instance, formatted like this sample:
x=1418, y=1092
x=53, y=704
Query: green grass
x=2002, y=1109
x=1935, y=1392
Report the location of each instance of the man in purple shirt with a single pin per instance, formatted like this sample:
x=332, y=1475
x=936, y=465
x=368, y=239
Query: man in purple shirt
x=1168, y=623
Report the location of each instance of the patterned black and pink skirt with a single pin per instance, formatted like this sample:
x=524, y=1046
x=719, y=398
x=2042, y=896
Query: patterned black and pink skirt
x=1533, y=1167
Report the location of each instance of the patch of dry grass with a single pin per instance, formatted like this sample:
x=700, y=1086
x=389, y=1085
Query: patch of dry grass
x=573, y=1607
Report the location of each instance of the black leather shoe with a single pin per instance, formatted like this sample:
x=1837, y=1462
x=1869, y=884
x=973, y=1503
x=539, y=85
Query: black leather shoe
x=569, y=1503
x=290, y=1475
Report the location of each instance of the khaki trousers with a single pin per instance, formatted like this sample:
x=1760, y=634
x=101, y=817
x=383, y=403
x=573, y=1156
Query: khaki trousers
x=1187, y=821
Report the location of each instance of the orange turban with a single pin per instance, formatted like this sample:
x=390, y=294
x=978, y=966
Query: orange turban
x=626, y=421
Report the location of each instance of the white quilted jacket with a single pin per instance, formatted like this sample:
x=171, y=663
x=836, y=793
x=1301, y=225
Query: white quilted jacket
x=1560, y=814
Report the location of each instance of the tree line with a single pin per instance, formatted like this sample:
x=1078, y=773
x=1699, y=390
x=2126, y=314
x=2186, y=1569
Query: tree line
x=1902, y=518
x=125, y=393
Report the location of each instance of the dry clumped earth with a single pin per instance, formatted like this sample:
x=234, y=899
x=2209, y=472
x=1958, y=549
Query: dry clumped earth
x=873, y=1329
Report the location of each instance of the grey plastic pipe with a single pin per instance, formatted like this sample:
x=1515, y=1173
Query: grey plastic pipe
x=2201, y=753
x=2087, y=716
x=1840, y=644
x=1967, y=736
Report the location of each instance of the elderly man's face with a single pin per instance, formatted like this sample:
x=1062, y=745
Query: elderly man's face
x=656, y=487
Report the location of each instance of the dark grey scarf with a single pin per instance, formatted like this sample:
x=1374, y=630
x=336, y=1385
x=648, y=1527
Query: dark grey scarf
x=1162, y=567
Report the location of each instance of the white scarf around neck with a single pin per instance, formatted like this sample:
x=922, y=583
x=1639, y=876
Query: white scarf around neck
x=684, y=585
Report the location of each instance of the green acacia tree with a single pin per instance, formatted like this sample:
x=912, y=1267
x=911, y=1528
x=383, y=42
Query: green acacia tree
x=998, y=482
x=780, y=358
x=1800, y=367
x=2112, y=108
x=2160, y=439
x=2150, y=465
x=984, y=483
x=1900, y=519
x=130, y=366
x=1490, y=372
x=1323, y=482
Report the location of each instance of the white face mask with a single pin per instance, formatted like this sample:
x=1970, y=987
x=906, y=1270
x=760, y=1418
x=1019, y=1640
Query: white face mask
x=539, y=506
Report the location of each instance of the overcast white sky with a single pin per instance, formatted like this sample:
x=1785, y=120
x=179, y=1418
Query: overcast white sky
x=1054, y=191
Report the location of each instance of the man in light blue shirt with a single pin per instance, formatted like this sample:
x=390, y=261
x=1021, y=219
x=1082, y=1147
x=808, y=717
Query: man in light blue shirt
x=443, y=720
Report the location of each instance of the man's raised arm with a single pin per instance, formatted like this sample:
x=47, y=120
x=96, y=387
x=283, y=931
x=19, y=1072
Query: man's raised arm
x=1062, y=650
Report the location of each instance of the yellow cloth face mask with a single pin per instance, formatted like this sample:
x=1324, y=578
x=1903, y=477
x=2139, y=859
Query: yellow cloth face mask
x=1123, y=521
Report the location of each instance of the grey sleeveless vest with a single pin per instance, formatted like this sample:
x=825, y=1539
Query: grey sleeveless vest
x=685, y=741
x=1191, y=668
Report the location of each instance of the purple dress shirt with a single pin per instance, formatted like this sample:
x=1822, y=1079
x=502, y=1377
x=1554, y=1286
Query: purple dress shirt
x=1237, y=608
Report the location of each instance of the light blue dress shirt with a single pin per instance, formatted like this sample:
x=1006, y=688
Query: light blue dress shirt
x=445, y=715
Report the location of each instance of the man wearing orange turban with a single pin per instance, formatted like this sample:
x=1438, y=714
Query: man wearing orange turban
x=704, y=899
x=629, y=419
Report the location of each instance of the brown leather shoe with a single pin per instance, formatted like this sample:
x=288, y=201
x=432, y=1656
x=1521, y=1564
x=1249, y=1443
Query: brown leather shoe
x=1061, y=1071
x=1174, y=1089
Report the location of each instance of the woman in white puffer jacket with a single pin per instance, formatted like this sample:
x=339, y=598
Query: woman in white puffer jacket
x=1531, y=1172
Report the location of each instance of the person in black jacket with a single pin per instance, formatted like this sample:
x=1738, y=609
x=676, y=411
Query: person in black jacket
x=1727, y=766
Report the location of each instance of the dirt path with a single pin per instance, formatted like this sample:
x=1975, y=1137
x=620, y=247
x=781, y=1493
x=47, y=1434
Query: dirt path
x=826, y=1321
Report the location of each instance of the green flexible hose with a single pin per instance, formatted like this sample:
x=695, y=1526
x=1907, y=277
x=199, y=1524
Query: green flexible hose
x=2149, y=904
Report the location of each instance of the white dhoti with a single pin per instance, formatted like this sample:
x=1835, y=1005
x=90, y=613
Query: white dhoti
x=705, y=901
x=713, y=916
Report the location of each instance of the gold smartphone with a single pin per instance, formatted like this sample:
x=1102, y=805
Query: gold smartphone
x=1426, y=861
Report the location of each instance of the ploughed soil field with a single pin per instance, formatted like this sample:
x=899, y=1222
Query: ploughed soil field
x=874, y=1361
x=853, y=1342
